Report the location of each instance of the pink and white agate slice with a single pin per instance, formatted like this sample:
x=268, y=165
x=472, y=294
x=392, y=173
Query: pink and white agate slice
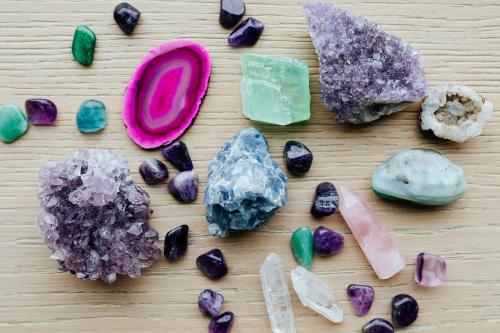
x=165, y=93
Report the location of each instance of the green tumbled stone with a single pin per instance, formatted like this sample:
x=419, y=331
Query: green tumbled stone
x=13, y=123
x=83, y=45
x=275, y=91
x=92, y=117
x=302, y=244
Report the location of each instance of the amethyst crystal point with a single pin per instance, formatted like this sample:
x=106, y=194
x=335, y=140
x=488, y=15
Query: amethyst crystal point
x=326, y=200
x=176, y=243
x=404, y=310
x=94, y=218
x=361, y=298
x=222, y=323
x=41, y=111
x=153, y=171
x=231, y=12
x=210, y=303
x=298, y=158
x=378, y=325
x=212, y=264
x=184, y=186
x=430, y=270
x=365, y=73
x=126, y=16
x=247, y=33
x=177, y=153
x=327, y=242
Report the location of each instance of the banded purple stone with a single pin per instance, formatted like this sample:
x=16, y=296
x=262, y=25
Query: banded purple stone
x=176, y=243
x=222, y=323
x=247, y=33
x=126, y=16
x=212, y=264
x=378, y=325
x=298, y=158
x=361, y=297
x=231, y=12
x=177, y=153
x=210, y=303
x=327, y=242
x=184, y=186
x=153, y=171
x=41, y=111
x=430, y=270
x=404, y=310
x=326, y=200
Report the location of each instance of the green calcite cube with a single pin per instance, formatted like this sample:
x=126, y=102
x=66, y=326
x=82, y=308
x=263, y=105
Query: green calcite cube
x=83, y=45
x=275, y=91
x=91, y=117
x=13, y=123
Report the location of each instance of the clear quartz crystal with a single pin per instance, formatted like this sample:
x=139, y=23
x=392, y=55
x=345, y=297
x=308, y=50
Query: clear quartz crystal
x=277, y=295
x=316, y=294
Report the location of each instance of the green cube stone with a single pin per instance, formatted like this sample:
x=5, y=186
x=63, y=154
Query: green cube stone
x=83, y=45
x=13, y=123
x=92, y=117
x=275, y=91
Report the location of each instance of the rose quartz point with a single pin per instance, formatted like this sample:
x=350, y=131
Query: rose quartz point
x=376, y=243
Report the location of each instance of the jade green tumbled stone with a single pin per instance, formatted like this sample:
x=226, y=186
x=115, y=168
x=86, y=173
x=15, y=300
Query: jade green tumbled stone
x=92, y=116
x=83, y=45
x=302, y=244
x=275, y=91
x=13, y=123
x=419, y=176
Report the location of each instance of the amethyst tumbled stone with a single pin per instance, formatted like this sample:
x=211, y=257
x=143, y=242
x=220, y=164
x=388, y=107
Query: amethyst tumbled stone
x=231, y=12
x=326, y=200
x=126, y=16
x=184, y=186
x=41, y=111
x=430, y=270
x=327, y=242
x=212, y=264
x=298, y=158
x=378, y=325
x=404, y=310
x=153, y=171
x=222, y=323
x=210, y=303
x=177, y=153
x=361, y=297
x=176, y=243
x=247, y=33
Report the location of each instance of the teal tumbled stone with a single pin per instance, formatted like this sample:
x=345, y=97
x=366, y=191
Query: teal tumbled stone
x=92, y=116
x=13, y=123
x=420, y=176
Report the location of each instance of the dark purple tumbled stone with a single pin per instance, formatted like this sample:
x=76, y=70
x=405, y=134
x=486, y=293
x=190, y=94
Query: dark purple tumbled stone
x=126, y=16
x=326, y=200
x=41, y=111
x=361, y=297
x=404, y=310
x=177, y=153
x=247, y=33
x=153, y=171
x=378, y=325
x=222, y=323
x=327, y=242
x=176, y=243
x=298, y=158
x=231, y=12
x=210, y=303
x=212, y=264
x=184, y=186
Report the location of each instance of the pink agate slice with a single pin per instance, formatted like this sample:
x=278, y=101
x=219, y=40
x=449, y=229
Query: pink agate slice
x=165, y=92
x=376, y=243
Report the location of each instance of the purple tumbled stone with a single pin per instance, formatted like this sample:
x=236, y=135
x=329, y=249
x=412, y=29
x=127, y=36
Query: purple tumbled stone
x=222, y=323
x=361, y=297
x=210, y=303
x=177, y=153
x=176, y=243
x=326, y=200
x=327, y=242
x=126, y=16
x=404, y=310
x=231, y=12
x=430, y=270
x=41, y=111
x=153, y=171
x=378, y=325
x=184, y=186
x=247, y=33
x=212, y=264
x=298, y=158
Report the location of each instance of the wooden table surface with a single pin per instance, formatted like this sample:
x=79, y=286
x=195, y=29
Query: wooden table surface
x=460, y=42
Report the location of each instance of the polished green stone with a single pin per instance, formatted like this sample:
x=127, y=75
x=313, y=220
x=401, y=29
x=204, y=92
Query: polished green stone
x=83, y=45
x=275, y=91
x=92, y=116
x=302, y=244
x=13, y=123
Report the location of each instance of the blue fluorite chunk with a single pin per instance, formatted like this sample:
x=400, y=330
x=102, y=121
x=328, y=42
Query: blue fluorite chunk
x=245, y=186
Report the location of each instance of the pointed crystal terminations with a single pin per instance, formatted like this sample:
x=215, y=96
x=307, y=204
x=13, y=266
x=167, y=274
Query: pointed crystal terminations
x=430, y=270
x=83, y=46
x=302, y=244
x=277, y=295
x=316, y=294
x=231, y=12
x=247, y=33
x=376, y=243
x=361, y=297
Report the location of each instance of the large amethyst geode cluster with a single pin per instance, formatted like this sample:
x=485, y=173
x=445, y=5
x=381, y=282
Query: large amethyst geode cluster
x=94, y=218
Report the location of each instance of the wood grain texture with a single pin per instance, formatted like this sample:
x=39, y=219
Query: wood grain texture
x=460, y=41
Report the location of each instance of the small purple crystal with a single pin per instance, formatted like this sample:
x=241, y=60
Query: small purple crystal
x=361, y=297
x=177, y=153
x=126, y=16
x=247, y=33
x=378, y=325
x=222, y=323
x=153, y=171
x=298, y=158
x=404, y=310
x=41, y=111
x=327, y=242
x=326, y=200
x=231, y=12
x=210, y=303
x=184, y=186
x=176, y=243
x=430, y=270
x=212, y=264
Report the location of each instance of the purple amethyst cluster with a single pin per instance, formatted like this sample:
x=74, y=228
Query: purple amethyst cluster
x=94, y=218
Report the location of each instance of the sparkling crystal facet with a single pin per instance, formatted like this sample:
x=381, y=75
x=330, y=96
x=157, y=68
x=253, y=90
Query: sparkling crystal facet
x=177, y=153
x=430, y=270
x=327, y=242
x=126, y=16
x=153, y=171
x=212, y=264
x=184, y=186
x=83, y=46
x=247, y=33
x=361, y=297
x=404, y=310
x=298, y=158
x=302, y=244
x=326, y=200
x=176, y=243
x=210, y=303
x=231, y=12
x=13, y=123
x=222, y=323
x=41, y=111
x=91, y=117
x=378, y=325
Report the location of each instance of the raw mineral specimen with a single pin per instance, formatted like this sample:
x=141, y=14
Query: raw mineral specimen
x=361, y=297
x=404, y=310
x=126, y=16
x=365, y=73
x=83, y=45
x=327, y=242
x=231, y=12
x=94, y=218
x=153, y=171
x=13, y=123
x=316, y=294
x=430, y=270
x=184, y=186
x=456, y=113
x=212, y=264
x=378, y=325
x=245, y=186
x=166, y=92
x=176, y=243
x=210, y=303
x=277, y=295
x=92, y=116
x=420, y=176
x=247, y=33
x=177, y=153
x=302, y=245
x=275, y=91
x=41, y=111
x=326, y=200
x=298, y=158
x=222, y=323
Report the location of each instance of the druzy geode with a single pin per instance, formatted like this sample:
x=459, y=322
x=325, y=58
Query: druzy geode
x=94, y=218
x=245, y=186
x=166, y=92
x=365, y=73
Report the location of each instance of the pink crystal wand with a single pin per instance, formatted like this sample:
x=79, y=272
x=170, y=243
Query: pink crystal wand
x=376, y=243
